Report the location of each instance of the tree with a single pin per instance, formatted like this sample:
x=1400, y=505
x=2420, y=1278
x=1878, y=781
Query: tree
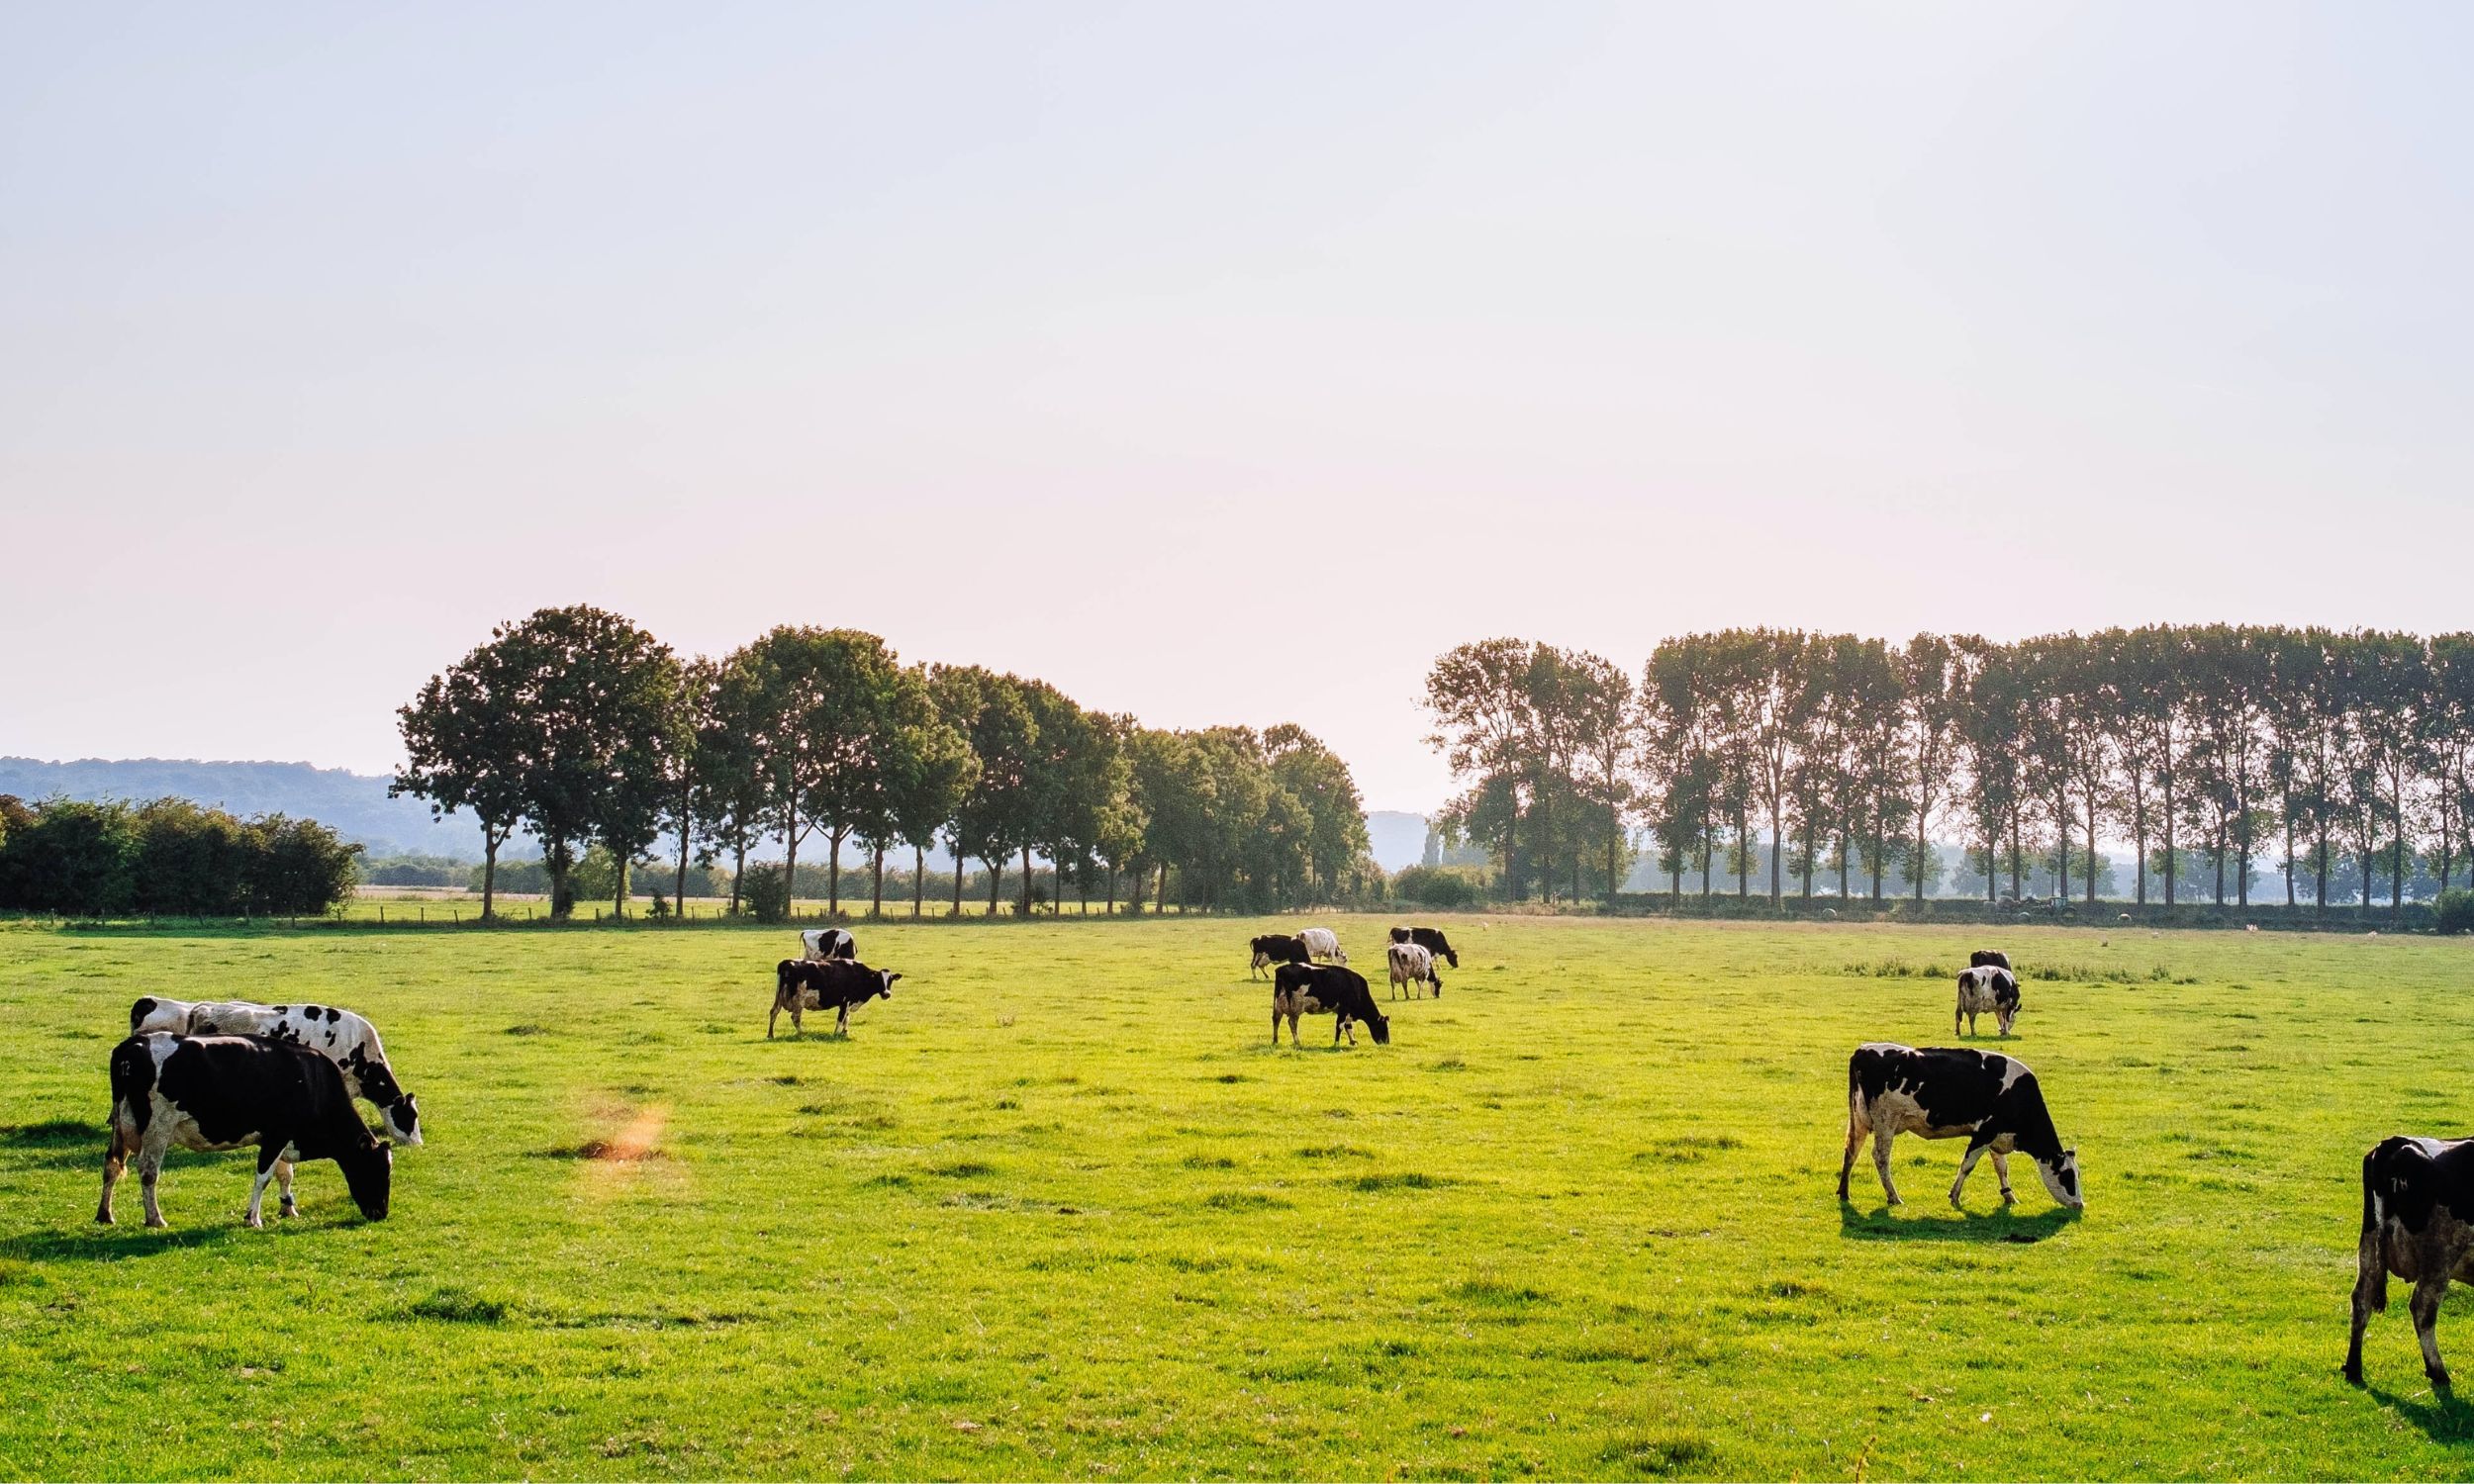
x=1932, y=697
x=1479, y=698
x=926, y=781
x=834, y=699
x=993, y=817
x=465, y=745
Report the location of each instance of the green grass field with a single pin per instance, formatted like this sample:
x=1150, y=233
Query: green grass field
x=1058, y=1207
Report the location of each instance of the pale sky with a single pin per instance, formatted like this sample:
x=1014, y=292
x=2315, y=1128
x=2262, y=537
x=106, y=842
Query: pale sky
x=1217, y=363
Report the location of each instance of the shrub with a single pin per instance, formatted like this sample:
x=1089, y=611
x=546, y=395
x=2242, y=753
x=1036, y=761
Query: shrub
x=767, y=892
x=2455, y=912
x=1432, y=887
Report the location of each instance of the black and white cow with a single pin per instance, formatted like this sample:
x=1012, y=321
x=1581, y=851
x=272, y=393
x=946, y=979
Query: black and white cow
x=1326, y=989
x=1412, y=966
x=1322, y=943
x=827, y=943
x=835, y=984
x=1429, y=939
x=2417, y=1223
x=347, y=1040
x=1941, y=1092
x=1274, y=949
x=225, y=1092
x=1986, y=991
x=1989, y=957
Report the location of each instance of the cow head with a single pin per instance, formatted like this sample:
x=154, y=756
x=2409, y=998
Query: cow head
x=368, y=1172
x=1380, y=1025
x=2061, y=1179
x=885, y=983
x=402, y=1120
x=2005, y=1006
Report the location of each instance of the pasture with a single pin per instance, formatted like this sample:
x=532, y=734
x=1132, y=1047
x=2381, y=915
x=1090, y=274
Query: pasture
x=1058, y=1208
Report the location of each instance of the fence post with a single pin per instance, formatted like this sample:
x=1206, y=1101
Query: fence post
x=382, y=914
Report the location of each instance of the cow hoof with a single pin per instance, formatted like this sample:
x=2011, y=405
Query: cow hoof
x=103, y=1218
x=156, y=1223
x=2353, y=1372
x=2439, y=1378
x=2008, y=1199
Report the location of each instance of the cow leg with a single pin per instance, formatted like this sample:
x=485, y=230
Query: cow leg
x=841, y=1022
x=1966, y=1166
x=1856, y=1128
x=268, y=1156
x=2425, y=1309
x=115, y=1160
x=2370, y=1294
x=1881, y=1164
x=287, y=1206
x=151, y=1169
x=2001, y=1171
x=775, y=1015
x=1955, y=1016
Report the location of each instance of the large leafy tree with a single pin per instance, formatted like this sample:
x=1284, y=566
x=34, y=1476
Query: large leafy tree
x=465, y=745
x=996, y=815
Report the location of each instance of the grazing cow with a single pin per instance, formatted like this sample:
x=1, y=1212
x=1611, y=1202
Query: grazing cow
x=1988, y=958
x=1326, y=989
x=1276, y=947
x=225, y=1092
x=827, y=943
x=2417, y=1223
x=347, y=1039
x=836, y=984
x=1429, y=939
x=1412, y=966
x=1941, y=1092
x=1322, y=943
x=1986, y=990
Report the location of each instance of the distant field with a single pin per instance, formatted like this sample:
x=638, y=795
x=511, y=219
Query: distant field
x=1058, y=1209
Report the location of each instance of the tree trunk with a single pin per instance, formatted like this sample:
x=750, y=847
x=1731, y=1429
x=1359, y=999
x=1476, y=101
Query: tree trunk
x=1777, y=877
x=2289, y=855
x=918, y=876
x=957, y=845
x=2171, y=858
x=619, y=893
x=738, y=870
x=556, y=859
x=2396, y=856
x=1026, y=881
x=790, y=866
x=996, y=875
x=678, y=894
x=1920, y=849
x=1160, y=895
x=489, y=870
x=1112, y=888
x=2322, y=870
x=876, y=892
x=2091, y=850
x=833, y=874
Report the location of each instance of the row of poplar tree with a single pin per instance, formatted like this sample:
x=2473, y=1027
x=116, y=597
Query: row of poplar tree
x=2293, y=747
x=578, y=728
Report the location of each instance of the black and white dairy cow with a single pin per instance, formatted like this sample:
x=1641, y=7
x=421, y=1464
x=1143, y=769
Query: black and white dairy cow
x=1989, y=957
x=1272, y=949
x=1986, y=991
x=827, y=943
x=1412, y=966
x=835, y=984
x=1429, y=939
x=1941, y=1092
x=1326, y=989
x=227, y=1093
x=2417, y=1223
x=345, y=1039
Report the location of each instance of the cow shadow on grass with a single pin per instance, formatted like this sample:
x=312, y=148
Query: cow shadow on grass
x=102, y=1244
x=2443, y=1415
x=2002, y=1224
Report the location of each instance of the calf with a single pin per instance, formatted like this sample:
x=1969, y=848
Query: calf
x=1941, y=1092
x=345, y=1039
x=1988, y=958
x=2417, y=1223
x=1986, y=990
x=225, y=1092
x=1322, y=943
x=827, y=943
x=1412, y=966
x=1276, y=947
x=1429, y=939
x=825, y=983
x=1326, y=989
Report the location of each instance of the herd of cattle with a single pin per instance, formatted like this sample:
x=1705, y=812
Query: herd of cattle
x=227, y=1074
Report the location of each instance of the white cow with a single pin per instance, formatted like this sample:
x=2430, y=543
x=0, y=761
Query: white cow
x=1322, y=943
x=346, y=1040
x=1412, y=966
x=827, y=943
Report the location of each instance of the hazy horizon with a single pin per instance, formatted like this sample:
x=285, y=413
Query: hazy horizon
x=1214, y=366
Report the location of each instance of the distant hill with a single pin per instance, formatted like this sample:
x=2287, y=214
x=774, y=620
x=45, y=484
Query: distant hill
x=355, y=806
x=1396, y=840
